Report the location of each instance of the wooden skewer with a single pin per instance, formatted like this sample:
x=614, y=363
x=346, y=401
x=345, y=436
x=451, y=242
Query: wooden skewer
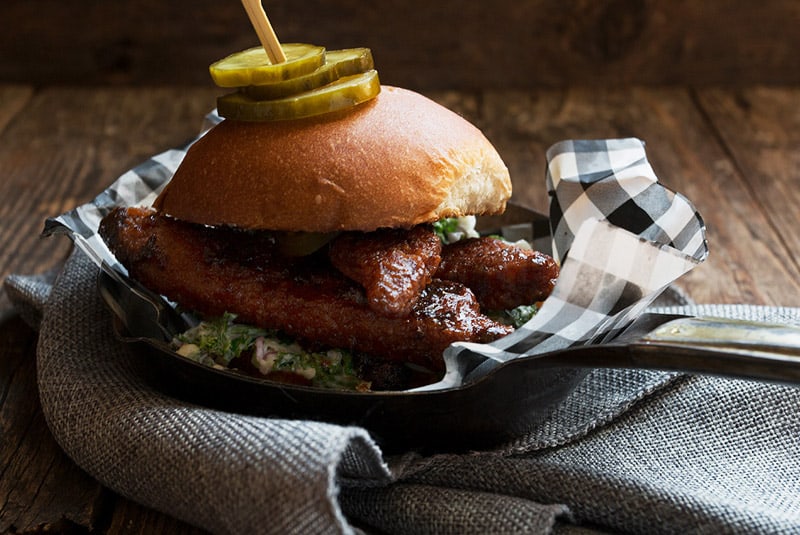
x=258, y=17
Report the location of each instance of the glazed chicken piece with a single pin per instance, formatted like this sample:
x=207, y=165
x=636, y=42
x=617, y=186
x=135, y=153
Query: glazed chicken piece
x=501, y=275
x=307, y=298
x=393, y=265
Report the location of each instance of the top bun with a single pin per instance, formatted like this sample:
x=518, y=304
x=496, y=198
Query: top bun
x=398, y=160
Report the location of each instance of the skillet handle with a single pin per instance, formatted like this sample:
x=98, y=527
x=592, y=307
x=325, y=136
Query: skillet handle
x=715, y=346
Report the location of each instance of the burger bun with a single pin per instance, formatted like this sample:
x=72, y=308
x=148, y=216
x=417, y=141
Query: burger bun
x=398, y=160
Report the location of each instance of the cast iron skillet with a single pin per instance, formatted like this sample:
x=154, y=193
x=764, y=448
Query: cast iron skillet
x=504, y=403
x=507, y=402
x=495, y=409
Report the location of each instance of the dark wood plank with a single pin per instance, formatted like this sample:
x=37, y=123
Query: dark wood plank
x=70, y=145
x=761, y=128
x=130, y=518
x=35, y=472
x=12, y=100
x=62, y=146
x=39, y=485
x=59, y=149
x=688, y=157
x=448, y=44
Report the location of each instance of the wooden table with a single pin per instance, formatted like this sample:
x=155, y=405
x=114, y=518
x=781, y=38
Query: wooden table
x=734, y=152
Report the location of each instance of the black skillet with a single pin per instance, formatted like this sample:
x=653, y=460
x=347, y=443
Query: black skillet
x=510, y=400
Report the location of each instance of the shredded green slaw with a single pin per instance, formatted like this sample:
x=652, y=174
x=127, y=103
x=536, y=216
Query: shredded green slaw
x=221, y=342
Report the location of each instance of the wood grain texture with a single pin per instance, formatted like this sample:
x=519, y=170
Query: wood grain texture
x=733, y=151
x=59, y=149
x=130, y=518
x=760, y=126
x=67, y=145
x=687, y=155
x=39, y=484
x=447, y=44
x=12, y=100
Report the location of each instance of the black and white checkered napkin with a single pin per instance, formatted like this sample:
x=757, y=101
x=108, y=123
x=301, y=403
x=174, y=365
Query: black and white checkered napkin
x=621, y=238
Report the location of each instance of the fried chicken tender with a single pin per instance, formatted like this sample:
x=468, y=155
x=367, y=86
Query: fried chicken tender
x=392, y=265
x=501, y=275
x=213, y=271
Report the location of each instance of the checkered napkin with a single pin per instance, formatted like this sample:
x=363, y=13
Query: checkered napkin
x=621, y=237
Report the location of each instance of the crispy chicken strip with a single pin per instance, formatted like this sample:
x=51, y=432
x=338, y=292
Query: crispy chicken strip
x=501, y=275
x=306, y=299
x=393, y=265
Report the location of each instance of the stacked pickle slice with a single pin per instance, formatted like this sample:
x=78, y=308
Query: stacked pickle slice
x=312, y=81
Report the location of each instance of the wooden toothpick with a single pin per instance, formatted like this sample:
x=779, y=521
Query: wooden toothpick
x=258, y=17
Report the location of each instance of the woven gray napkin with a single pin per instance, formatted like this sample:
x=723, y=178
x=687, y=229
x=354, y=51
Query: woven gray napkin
x=629, y=450
x=224, y=472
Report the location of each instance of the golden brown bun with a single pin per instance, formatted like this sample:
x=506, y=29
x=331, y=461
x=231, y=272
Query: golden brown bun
x=396, y=161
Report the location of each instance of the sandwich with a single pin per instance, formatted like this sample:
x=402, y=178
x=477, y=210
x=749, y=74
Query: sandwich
x=335, y=250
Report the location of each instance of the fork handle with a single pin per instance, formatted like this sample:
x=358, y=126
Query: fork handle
x=726, y=347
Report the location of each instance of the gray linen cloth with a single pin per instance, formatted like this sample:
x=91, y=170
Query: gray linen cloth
x=629, y=451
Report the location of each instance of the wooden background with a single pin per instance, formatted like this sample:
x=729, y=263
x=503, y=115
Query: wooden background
x=89, y=88
x=421, y=44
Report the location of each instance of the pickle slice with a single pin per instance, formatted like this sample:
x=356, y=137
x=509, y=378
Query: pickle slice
x=338, y=63
x=253, y=67
x=350, y=61
x=343, y=93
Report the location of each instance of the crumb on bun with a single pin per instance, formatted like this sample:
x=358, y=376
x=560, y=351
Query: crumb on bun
x=397, y=161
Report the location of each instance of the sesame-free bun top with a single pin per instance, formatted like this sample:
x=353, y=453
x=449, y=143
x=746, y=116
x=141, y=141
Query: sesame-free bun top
x=396, y=161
